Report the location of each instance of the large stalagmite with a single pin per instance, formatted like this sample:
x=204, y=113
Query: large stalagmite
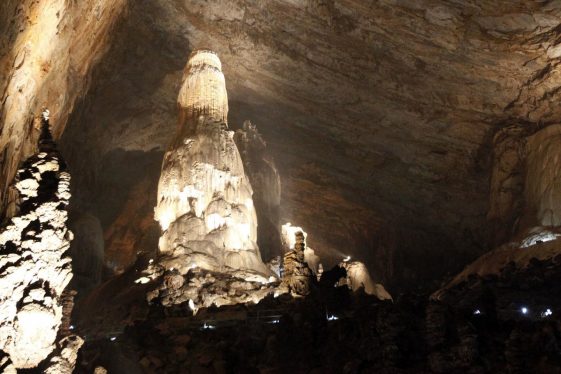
x=35, y=266
x=205, y=206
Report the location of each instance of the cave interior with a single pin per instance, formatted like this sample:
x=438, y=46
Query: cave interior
x=307, y=186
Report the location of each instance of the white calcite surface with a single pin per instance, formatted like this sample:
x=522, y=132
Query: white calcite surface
x=358, y=276
x=65, y=361
x=539, y=235
x=34, y=262
x=204, y=88
x=205, y=206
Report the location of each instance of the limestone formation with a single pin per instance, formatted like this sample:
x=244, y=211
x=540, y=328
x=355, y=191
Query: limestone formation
x=296, y=274
x=203, y=92
x=208, y=249
x=358, y=277
x=67, y=353
x=34, y=262
x=203, y=289
x=542, y=187
x=205, y=206
x=47, y=51
x=289, y=239
x=265, y=180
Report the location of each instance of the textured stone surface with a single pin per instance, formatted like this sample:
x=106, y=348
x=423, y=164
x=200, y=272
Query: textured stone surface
x=205, y=206
x=296, y=275
x=380, y=115
x=358, y=277
x=208, y=253
x=65, y=361
x=542, y=187
x=377, y=114
x=47, y=50
x=200, y=289
x=265, y=181
x=356, y=333
x=34, y=263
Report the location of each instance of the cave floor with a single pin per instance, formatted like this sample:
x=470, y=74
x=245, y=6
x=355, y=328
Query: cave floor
x=480, y=328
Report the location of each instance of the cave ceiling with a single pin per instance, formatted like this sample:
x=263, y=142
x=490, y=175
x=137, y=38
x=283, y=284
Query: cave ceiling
x=380, y=114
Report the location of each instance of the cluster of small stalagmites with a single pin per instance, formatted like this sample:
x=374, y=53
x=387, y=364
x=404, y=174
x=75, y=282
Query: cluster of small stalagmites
x=297, y=274
x=202, y=289
x=34, y=266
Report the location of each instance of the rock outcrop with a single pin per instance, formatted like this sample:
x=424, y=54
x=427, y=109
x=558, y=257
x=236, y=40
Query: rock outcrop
x=296, y=274
x=358, y=277
x=34, y=264
x=542, y=184
x=205, y=206
x=265, y=180
x=358, y=101
x=524, y=203
x=208, y=249
x=47, y=49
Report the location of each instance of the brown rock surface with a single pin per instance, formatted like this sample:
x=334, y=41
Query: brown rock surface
x=377, y=113
x=47, y=50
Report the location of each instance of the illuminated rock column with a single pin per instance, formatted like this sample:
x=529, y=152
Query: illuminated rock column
x=34, y=259
x=203, y=91
x=297, y=274
x=205, y=206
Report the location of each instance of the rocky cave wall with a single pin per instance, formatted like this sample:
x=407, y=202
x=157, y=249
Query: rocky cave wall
x=380, y=115
x=47, y=51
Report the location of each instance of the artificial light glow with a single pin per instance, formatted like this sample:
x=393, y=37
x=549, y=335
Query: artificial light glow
x=113, y=338
x=208, y=327
x=289, y=234
x=547, y=313
x=332, y=318
x=347, y=259
x=524, y=310
x=477, y=312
